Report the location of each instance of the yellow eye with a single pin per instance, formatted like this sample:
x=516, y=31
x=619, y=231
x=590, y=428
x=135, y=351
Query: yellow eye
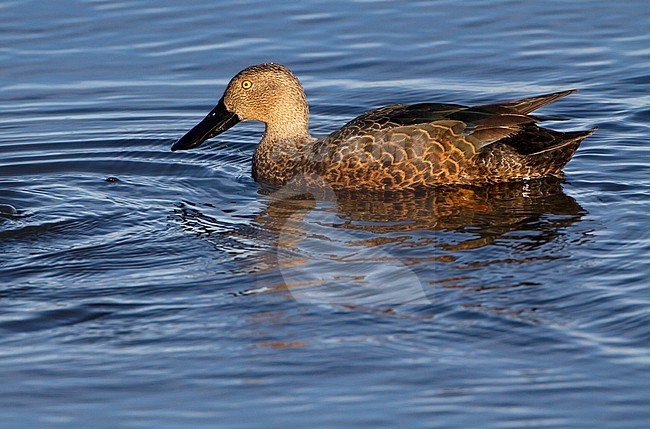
x=246, y=84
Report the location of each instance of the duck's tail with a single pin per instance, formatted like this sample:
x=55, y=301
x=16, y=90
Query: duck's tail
x=551, y=160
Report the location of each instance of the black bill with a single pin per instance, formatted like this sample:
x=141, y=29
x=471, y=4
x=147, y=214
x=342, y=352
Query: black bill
x=217, y=121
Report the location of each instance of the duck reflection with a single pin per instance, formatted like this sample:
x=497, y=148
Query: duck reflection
x=486, y=213
x=364, y=249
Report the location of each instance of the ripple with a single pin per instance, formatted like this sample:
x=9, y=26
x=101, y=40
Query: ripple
x=48, y=319
x=7, y=210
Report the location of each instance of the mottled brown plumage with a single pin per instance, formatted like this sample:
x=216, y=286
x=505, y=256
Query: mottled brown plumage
x=394, y=147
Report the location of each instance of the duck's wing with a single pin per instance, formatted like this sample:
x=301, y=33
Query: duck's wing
x=528, y=105
x=478, y=126
x=396, y=115
x=471, y=127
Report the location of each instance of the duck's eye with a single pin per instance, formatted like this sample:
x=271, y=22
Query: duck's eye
x=246, y=84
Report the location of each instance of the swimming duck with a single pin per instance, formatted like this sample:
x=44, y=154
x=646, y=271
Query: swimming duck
x=401, y=146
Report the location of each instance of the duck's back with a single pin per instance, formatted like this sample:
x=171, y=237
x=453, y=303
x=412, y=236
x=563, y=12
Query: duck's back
x=410, y=146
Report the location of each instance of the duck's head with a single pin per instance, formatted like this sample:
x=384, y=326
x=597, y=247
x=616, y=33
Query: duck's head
x=269, y=93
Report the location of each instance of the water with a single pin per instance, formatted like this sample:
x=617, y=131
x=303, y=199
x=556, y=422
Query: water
x=144, y=288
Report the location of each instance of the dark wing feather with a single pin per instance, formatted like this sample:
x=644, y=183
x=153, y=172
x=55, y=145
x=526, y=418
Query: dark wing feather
x=527, y=105
x=484, y=128
x=396, y=115
x=480, y=125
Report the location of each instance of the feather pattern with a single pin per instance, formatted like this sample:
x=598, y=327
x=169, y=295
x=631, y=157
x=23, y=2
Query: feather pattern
x=400, y=146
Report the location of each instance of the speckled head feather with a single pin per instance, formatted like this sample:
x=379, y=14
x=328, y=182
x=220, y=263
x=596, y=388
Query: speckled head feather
x=269, y=93
x=394, y=147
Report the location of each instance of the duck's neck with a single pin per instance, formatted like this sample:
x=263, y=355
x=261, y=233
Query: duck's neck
x=287, y=130
x=279, y=155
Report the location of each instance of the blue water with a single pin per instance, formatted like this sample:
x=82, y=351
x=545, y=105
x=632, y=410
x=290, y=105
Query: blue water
x=145, y=288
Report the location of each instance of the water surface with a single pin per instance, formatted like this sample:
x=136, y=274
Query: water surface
x=144, y=288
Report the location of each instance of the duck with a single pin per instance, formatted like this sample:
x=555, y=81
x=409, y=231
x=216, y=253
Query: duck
x=396, y=147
